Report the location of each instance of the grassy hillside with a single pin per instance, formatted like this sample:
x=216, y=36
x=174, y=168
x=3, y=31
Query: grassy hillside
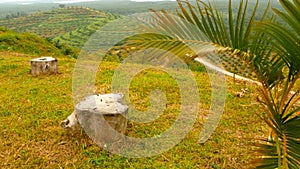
x=26, y=43
x=30, y=113
x=78, y=37
x=53, y=23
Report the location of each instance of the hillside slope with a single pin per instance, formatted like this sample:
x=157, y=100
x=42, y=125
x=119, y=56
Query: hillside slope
x=78, y=37
x=57, y=22
x=26, y=43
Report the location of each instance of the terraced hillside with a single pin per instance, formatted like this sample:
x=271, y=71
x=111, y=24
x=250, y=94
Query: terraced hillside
x=58, y=22
x=78, y=37
x=27, y=43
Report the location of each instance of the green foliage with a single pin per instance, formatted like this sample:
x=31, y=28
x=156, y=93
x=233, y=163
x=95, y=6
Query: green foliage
x=129, y=7
x=78, y=37
x=62, y=5
x=53, y=23
x=66, y=50
x=32, y=44
x=281, y=115
x=26, y=43
x=15, y=15
x=268, y=49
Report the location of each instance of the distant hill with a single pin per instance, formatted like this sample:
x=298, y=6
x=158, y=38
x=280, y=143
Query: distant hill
x=121, y=7
x=53, y=23
x=127, y=7
x=26, y=43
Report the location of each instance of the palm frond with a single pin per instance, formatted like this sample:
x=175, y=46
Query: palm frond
x=286, y=39
x=284, y=151
x=266, y=49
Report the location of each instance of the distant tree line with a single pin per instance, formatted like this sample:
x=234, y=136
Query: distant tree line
x=15, y=15
x=62, y=5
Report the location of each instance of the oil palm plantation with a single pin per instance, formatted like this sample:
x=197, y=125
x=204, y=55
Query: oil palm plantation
x=267, y=45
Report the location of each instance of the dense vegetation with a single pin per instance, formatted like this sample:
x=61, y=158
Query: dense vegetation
x=69, y=26
x=12, y=9
x=57, y=22
x=118, y=7
x=26, y=43
x=130, y=7
x=72, y=25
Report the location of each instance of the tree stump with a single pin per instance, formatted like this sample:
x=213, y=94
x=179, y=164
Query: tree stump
x=103, y=118
x=44, y=65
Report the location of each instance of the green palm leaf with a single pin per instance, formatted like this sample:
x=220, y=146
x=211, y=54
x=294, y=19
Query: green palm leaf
x=266, y=48
x=287, y=39
x=286, y=42
x=208, y=26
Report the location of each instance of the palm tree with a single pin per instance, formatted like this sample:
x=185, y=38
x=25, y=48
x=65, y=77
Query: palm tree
x=280, y=114
x=266, y=47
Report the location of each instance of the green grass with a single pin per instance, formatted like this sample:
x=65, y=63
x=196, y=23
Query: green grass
x=32, y=107
x=26, y=43
x=53, y=23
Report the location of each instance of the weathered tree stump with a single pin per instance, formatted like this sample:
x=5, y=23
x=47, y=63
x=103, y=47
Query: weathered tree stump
x=103, y=118
x=44, y=65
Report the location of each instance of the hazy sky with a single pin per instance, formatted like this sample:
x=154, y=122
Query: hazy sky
x=4, y=1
